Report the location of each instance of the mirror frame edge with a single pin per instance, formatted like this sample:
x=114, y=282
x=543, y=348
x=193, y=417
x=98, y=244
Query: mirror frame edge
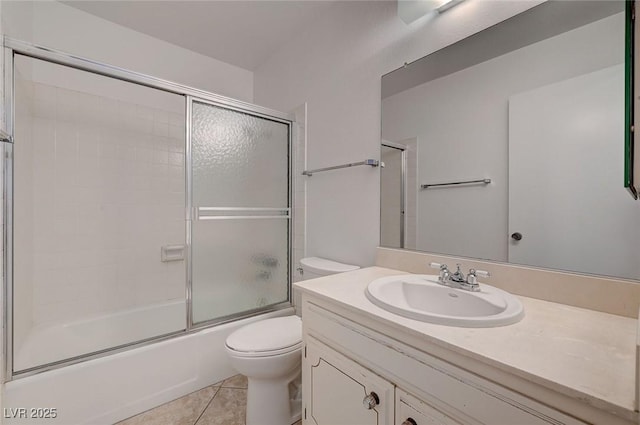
x=630, y=69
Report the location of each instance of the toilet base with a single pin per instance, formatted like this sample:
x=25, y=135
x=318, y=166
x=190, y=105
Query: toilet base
x=269, y=401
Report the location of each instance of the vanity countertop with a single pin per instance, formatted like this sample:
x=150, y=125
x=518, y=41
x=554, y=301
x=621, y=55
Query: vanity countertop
x=585, y=354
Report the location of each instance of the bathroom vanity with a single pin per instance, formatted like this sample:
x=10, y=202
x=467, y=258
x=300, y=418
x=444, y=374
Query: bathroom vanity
x=365, y=365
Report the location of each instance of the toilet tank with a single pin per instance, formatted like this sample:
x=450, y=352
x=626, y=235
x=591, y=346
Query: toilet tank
x=317, y=267
x=313, y=267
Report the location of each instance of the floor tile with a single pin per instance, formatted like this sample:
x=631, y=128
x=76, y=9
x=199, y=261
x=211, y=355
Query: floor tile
x=237, y=381
x=182, y=411
x=227, y=408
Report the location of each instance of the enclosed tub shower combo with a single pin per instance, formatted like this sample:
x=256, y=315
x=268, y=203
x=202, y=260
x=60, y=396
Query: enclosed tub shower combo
x=135, y=211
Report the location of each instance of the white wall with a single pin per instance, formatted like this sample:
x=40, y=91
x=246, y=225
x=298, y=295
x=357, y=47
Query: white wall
x=335, y=66
x=56, y=25
x=299, y=185
x=462, y=122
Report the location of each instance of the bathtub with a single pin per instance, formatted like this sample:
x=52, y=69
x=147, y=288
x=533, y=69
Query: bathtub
x=59, y=341
x=111, y=388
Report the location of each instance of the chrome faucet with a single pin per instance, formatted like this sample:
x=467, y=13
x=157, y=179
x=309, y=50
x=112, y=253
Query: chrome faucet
x=458, y=276
x=458, y=280
x=445, y=275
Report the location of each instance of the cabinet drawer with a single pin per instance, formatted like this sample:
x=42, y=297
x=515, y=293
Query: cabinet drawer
x=411, y=411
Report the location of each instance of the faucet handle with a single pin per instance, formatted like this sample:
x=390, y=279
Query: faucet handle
x=473, y=273
x=481, y=273
x=444, y=275
x=438, y=266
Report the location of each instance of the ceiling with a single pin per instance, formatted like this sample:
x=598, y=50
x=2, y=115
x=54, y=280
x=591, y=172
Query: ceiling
x=242, y=33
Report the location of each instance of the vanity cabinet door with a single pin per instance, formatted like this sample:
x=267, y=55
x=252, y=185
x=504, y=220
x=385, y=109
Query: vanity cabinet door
x=341, y=392
x=411, y=411
x=462, y=397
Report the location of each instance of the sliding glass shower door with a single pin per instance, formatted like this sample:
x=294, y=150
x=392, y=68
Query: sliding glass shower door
x=98, y=197
x=240, y=212
x=133, y=210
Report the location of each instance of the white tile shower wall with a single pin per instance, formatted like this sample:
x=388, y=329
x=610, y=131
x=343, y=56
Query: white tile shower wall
x=109, y=177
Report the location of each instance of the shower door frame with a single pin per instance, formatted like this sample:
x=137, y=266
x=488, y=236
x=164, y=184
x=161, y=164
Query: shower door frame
x=190, y=94
x=192, y=214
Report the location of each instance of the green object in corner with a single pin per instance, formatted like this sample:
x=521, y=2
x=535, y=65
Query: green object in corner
x=629, y=96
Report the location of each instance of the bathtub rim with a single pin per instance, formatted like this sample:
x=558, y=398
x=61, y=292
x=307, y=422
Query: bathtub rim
x=196, y=360
x=196, y=327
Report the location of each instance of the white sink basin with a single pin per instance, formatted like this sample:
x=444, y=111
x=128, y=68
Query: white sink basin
x=421, y=297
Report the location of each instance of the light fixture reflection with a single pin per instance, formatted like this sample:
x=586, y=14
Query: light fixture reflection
x=412, y=10
x=448, y=4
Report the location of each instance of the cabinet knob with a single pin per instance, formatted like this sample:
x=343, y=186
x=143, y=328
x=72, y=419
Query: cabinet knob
x=409, y=421
x=370, y=401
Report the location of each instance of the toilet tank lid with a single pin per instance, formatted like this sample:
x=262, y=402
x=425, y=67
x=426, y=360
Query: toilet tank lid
x=267, y=335
x=324, y=266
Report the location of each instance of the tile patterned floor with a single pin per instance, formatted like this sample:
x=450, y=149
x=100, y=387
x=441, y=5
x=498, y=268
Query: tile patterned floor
x=223, y=403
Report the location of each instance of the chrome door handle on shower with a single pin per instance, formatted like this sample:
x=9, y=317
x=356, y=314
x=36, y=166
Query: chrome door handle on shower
x=238, y=213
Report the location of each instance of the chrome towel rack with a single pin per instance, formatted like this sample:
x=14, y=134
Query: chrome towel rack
x=371, y=162
x=479, y=181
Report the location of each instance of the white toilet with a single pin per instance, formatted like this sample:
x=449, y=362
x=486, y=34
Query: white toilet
x=269, y=354
x=317, y=267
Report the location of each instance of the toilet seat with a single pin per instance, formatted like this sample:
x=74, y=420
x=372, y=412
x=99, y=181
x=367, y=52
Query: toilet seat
x=266, y=338
x=272, y=353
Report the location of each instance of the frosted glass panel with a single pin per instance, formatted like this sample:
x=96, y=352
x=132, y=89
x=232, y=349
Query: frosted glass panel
x=240, y=236
x=239, y=265
x=239, y=160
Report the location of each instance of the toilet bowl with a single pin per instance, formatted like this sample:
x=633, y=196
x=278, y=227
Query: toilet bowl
x=269, y=354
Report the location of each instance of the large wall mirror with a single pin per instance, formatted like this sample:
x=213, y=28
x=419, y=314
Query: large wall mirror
x=510, y=145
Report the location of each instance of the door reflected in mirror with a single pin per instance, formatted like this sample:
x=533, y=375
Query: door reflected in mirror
x=392, y=188
x=536, y=105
